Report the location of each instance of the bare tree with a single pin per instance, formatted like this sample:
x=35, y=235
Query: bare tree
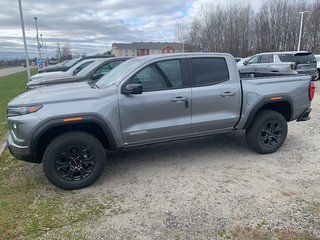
x=241, y=31
x=66, y=52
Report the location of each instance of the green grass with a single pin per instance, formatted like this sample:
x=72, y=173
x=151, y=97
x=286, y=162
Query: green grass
x=31, y=207
x=10, y=86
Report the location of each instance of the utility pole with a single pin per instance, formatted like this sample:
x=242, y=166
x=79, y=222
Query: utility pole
x=46, y=52
x=24, y=40
x=36, y=21
x=42, y=49
x=301, y=24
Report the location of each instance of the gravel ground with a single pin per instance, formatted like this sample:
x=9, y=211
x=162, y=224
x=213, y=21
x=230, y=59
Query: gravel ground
x=213, y=188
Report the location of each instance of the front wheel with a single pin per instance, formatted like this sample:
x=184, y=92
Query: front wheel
x=74, y=160
x=267, y=132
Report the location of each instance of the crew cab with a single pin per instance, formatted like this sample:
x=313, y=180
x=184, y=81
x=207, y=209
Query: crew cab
x=151, y=99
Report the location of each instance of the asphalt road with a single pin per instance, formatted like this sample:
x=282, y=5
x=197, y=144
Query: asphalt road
x=11, y=70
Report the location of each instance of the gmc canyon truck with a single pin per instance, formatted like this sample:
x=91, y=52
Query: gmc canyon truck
x=151, y=99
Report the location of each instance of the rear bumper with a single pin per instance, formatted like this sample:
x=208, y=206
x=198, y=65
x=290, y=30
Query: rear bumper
x=305, y=115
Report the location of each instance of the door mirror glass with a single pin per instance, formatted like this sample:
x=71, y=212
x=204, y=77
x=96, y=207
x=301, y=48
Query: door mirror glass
x=133, y=88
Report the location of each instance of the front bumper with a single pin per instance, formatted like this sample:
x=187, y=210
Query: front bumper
x=18, y=151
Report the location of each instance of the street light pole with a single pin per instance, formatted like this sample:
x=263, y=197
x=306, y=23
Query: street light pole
x=36, y=19
x=24, y=39
x=301, y=24
x=42, y=48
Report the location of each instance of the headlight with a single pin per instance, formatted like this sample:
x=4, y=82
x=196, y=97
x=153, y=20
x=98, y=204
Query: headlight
x=16, y=111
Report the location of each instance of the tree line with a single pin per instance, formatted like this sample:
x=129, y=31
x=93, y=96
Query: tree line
x=243, y=31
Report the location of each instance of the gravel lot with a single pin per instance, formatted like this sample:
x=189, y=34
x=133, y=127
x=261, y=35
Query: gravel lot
x=212, y=188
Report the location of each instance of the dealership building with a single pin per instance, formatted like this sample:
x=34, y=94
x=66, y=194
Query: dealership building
x=145, y=48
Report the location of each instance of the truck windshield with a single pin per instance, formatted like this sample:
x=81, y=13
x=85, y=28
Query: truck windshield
x=119, y=73
x=72, y=62
x=298, y=58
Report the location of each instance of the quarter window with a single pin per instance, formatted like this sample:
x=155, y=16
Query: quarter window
x=208, y=71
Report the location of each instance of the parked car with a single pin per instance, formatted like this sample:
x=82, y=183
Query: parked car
x=150, y=99
x=92, y=72
x=282, y=62
x=318, y=66
x=71, y=63
x=58, y=74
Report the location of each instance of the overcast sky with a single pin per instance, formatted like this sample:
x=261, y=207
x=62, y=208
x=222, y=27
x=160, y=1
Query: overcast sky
x=89, y=26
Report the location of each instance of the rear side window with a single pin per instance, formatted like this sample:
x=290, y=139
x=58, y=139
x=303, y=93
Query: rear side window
x=208, y=71
x=298, y=58
x=266, y=58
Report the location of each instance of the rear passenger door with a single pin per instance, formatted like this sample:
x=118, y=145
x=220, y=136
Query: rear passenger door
x=216, y=95
x=265, y=63
x=163, y=110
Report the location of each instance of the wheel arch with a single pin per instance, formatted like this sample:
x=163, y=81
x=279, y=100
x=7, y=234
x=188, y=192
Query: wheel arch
x=282, y=106
x=52, y=128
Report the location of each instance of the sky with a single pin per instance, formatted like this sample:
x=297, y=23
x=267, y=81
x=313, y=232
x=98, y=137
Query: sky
x=91, y=26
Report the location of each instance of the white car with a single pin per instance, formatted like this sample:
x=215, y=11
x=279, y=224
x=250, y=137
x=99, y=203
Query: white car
x=318, y=65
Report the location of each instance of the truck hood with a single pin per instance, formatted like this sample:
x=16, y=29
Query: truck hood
x=57, y=93
x=46, y=75
x=53, y=80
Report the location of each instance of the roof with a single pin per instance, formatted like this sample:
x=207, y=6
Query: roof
x=288, y=52
x=147, y=45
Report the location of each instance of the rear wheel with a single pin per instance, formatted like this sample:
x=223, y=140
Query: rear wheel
x=267, y=132
x=74, y=160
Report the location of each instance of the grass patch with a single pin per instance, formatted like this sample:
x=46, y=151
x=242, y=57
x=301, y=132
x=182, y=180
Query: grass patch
x=11, y=86
x=30, y=207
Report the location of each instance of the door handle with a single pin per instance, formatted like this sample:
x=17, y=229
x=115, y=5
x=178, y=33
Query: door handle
x=227, y=94
x=179, y=99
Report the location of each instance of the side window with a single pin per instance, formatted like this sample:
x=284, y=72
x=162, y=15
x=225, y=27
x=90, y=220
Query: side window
x=104, y=69
x=266, y=58
x=253, y=60
x=208, y=71
x=159, y=76
x=82, y=66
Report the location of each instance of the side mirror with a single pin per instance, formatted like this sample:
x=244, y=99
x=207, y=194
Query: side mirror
x=133, y=88
x=75, y=71
x=96, y=76
x=245, y=63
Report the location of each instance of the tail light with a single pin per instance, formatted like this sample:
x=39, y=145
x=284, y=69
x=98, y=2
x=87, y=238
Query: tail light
x=312, y=89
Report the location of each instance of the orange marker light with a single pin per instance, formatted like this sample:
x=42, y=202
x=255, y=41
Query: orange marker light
x=276, y=98
x=72, y=119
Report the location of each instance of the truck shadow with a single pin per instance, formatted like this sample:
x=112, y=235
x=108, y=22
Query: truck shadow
x=218, y=148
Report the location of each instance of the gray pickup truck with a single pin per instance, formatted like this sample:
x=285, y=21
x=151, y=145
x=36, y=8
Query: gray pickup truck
x=151, y=99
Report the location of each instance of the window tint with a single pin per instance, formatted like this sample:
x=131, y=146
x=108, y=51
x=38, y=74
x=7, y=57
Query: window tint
x=266, y=58
x=209, y=71
x=159, y=76
x=299, y=58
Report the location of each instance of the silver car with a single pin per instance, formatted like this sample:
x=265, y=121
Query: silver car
x=302, y=62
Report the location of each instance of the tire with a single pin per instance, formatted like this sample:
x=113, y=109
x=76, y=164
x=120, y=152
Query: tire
x=267, y=132
x=74, y=160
